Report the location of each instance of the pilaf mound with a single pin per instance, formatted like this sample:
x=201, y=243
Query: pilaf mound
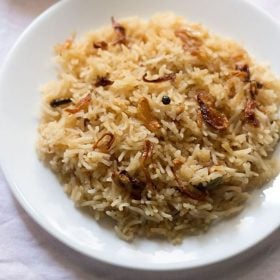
x=159, y=125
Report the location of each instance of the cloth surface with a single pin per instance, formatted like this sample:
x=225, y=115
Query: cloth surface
x=27, y=252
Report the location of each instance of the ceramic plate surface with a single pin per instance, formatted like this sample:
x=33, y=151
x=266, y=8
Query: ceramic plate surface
x=30, y=64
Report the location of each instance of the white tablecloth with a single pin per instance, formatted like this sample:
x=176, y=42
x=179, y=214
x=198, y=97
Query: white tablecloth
x=28, y=252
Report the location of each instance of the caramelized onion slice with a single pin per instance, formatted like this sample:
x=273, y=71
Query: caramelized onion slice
x=254, y=87
x=191, y=191
x=82, y=104
x=100, y=45
x=129, y=183
x=120, y=32
x=190, y=42
x=249, y=113
x=105, y=142
x=147, y=151
x=146, y=155
x=145, y=114
x=243, y=71
x=209, y=114
x=166, y=77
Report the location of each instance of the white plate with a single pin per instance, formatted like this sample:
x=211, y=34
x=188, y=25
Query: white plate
x=29, y=65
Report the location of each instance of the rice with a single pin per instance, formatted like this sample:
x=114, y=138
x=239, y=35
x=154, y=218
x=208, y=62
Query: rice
x=159, y=169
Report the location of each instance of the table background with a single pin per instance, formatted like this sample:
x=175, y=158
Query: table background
x=28, y=252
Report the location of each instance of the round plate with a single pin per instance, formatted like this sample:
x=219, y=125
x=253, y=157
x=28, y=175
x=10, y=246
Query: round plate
x=36, y=188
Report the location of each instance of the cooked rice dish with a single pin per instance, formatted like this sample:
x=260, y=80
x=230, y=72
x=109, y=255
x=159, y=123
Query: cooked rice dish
x=159, y=125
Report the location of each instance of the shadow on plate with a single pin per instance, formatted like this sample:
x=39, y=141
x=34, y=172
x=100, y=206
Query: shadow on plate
x=84, y=267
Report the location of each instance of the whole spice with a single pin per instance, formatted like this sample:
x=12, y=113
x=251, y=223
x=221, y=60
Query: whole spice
x=59, y=102
x=166, y=100
x=209, y=114
x=164, y=78
x=103, y=82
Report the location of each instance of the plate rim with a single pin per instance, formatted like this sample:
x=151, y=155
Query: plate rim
x=51, y=229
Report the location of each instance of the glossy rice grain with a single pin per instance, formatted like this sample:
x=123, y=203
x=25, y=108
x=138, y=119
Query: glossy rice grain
x=158, y=169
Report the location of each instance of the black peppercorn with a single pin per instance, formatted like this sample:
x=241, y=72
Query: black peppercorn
x=166, y=100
